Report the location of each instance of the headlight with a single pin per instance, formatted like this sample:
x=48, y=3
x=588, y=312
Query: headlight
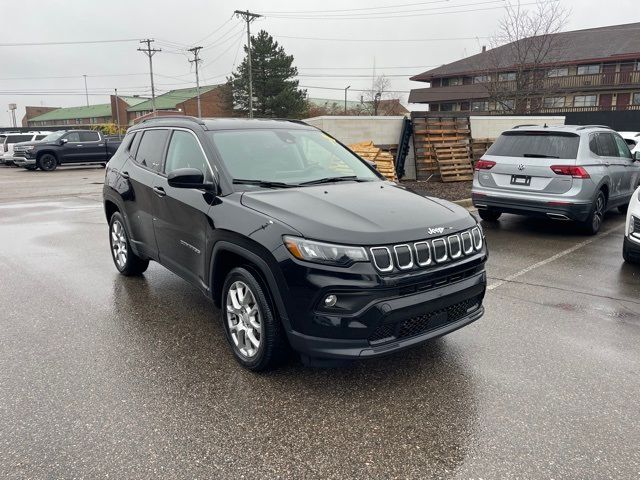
x=326, y=253
x=28, y=149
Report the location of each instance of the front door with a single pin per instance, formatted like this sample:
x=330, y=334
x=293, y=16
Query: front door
x=144, y=170
x=70, y=152
x=622, y=101
x=626, y=72
x=180, y=222
x=608, y=73
x=606, y=100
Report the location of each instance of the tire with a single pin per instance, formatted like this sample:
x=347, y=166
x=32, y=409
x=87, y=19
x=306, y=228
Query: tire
x=125, y=260
x=258, y=340
x=623, y=208
x=47, y=162
x=592, y=224
x=489, y=215
x=625, y=254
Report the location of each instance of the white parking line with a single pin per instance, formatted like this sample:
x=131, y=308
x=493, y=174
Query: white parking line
x=551, y=258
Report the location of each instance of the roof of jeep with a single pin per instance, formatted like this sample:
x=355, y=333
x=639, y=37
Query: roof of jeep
x=577, y=129
x=225, y=123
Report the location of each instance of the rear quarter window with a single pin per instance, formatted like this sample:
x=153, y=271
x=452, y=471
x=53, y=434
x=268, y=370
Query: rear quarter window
x=536, y=144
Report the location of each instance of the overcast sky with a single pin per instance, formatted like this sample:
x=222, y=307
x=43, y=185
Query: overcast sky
x=177, y=25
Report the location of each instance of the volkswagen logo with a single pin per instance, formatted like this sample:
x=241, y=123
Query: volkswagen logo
x=521, y=167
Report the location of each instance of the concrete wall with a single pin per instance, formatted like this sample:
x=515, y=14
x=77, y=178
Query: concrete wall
x=382, y=130
x=485, y=126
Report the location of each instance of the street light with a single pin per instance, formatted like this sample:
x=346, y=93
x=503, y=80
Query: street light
x=345, y=99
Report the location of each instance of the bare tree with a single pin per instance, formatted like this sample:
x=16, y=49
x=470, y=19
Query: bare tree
x=379, y=92
x=524, y=47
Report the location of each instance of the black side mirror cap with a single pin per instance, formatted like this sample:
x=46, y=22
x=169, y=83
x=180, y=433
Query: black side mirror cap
x=189, y=178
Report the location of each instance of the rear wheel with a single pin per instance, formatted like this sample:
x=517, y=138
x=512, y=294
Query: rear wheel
x=251, y=325
x=47, y=162
x=125, y=260
x=489, y=215
x=594, y=221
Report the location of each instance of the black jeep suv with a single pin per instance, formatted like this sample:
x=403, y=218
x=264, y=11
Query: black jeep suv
x=300, y=242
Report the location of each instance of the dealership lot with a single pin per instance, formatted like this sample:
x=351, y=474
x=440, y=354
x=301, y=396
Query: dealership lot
x=132, y=377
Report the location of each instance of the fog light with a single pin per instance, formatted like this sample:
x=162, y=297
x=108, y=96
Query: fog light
x=632, y=224
x=330, y=300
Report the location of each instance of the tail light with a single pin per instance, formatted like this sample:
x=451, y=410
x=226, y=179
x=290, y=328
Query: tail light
x=574, y=171
x=6, y=147
x=484, y=164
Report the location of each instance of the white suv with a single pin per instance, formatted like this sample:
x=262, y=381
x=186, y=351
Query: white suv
x=6, y=149
x=631, y=246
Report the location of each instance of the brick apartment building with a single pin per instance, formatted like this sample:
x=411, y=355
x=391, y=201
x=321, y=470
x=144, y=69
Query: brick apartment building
x=596, y=69
x=132, y=109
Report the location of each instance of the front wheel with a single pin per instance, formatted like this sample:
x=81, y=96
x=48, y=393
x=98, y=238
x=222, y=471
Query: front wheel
x=489, y=215
x=125, y=260
x=251, y=325
x=594, y=221
x=47, y=162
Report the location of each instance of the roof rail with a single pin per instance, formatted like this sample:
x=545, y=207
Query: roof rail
x=197, y=120
x=526, y=125
x=594, y=126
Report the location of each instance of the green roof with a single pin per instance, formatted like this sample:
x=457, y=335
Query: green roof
x=169, y=100
x=70, y=113
x=133, y=100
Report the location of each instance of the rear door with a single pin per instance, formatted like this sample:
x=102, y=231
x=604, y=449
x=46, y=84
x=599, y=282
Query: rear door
x=181, y=217
x=524, y=159
x=92, y=145
x=631, y=168
x=143, y=171
x=607, y=150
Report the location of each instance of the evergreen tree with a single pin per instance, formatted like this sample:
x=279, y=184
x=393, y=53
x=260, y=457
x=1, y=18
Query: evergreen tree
x=275, y=90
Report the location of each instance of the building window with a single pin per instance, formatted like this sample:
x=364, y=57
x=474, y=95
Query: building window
x=507, y=76
x=481, y=79
x=558, y=72
x=455, y=81
x=480, y=106
x=588, y=69
x=636, y=98
x=585, y=100
x=553, y=102
x=505, y=105
x=447, y=107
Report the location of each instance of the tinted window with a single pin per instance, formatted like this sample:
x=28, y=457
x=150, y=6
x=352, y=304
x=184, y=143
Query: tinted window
x=623, y=149
x=607, y=145
x=39, y=137
x=19, y=138
x=89, y=136
x=184, y=152
x=536, y=144
x=72, y=137
x=151, y=148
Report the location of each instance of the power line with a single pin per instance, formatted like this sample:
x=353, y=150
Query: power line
x=150, y=52
x=381, y=40
x=238, y=37
x=215, y=31
x=249, y=17
x=358, y=9
x=196, y=61
x=79, y=42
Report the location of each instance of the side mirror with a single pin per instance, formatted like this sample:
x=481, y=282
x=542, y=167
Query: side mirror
x=188, y=178
x=63, y=141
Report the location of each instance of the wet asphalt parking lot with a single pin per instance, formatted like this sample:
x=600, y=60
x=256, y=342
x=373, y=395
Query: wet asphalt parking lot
x=106, y=376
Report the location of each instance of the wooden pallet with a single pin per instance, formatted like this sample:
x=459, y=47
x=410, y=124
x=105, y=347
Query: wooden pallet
x=454, y=162
x=479, y=146
x=384, y=161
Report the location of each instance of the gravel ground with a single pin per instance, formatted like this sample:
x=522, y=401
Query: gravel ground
x=449, y=191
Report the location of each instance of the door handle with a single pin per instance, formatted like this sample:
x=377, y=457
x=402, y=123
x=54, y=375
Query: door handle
x=606, y=164
x=78, y=145
x=159, y=191
x=124, y=175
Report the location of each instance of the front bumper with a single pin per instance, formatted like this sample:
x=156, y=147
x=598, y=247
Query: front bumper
x=23, y=162
x=396, y=323
x=559, y=210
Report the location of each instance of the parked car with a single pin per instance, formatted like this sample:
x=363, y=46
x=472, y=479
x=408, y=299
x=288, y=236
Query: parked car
x=66, y=147
x=299, y=241
x=632, y=139
x=13, y=139
x=631, y=245
x=560, y=172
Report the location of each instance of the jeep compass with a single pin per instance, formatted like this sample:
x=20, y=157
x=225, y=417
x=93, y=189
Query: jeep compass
x=297, y=240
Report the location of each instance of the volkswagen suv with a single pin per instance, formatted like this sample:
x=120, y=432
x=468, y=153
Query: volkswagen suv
x=559, y=172
x=299, y=241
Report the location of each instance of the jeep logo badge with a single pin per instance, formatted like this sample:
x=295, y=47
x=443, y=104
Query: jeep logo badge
x=436, y=230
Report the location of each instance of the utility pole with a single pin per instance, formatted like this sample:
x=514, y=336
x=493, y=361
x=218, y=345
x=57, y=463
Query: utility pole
x=196, y=60
x=118, y=112
x=345, y=99
x=86, y=92
x=249, y=17
x=150, y=52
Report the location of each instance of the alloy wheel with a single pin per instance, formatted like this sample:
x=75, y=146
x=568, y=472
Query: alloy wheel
x=598, y=212
x=119, y=244
x=244, y=319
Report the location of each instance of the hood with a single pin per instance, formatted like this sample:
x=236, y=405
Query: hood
x=27, y=144
x=371, y=213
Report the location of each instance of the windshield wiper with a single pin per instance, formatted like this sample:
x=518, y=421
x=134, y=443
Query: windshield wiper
x=538, y=155
x=263, y=183
x=344, y=178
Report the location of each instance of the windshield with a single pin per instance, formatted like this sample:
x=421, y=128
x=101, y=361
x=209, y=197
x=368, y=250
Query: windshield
x=287, y=156
x=54, y=136
x=536, y=145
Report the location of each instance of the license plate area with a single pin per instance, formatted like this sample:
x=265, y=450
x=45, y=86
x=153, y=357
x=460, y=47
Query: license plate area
x=524, y=180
